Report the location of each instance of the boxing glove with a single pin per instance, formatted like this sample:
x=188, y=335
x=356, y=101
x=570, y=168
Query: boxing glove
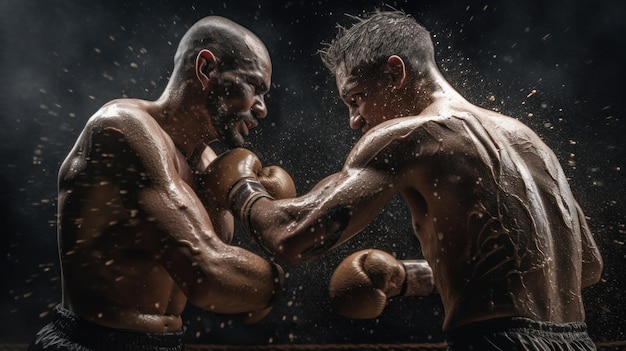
x=226, y=170
x=277, y=182
x=363, y=282
x=236, y=179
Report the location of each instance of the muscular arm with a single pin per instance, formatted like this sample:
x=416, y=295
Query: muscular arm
x=591, y=259
x=213, y=275
x=337, y=208
x=341, y=205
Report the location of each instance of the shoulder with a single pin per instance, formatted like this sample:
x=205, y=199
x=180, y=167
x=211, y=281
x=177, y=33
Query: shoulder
x=506, y=129
x=406, y=136
x=124, y=120
x=125, y=115
x=122, y=130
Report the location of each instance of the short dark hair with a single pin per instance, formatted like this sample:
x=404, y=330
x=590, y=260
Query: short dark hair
x=372, y=39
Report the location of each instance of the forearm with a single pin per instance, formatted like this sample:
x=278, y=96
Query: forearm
x=240, y=282
x=286, y=228
x=300, y=229
x=294, y=230
x=213, y=275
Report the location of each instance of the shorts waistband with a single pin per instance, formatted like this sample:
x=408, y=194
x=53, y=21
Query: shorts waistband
x=100, y=337
x=571, y=330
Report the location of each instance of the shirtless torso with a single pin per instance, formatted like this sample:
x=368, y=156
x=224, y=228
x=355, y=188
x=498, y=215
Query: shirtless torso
x=136, y=240
x=494, y=214
x=490, y=205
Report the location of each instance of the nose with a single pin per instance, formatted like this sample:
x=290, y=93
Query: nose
x=259, y=109
x=356, y=120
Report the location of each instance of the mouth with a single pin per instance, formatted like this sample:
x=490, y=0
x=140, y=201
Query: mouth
x=245, y=126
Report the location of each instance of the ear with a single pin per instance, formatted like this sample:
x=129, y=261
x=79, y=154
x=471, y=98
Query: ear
x=396, y=71
x=205, y=63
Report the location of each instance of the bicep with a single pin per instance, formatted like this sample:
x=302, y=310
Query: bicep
x=142, y=165
x=363, y=192
x=212, y=274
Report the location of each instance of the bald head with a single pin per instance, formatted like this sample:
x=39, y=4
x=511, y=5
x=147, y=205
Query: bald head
x=232, y=44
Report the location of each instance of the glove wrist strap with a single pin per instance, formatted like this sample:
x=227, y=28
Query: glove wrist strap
x=418, y=279
x=241, y=198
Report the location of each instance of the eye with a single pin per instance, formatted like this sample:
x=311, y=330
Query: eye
x=236, y=88
x=356, y=99
x=261, y=89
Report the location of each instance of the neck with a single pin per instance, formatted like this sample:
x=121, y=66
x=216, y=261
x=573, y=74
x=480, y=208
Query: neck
x=434, y=87
x=183, y=119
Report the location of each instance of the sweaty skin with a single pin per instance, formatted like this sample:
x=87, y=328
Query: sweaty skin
x=135, y=241
x=496, y=219
x=490, y=205
x=137, y=236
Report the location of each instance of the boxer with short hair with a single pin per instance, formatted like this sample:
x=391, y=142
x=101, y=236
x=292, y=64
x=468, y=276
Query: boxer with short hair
x=508, y=245
x=138, y=238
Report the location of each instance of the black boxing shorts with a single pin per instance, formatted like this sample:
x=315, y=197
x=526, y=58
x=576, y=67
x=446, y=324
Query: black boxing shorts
x=517, y=334
x=69, y=332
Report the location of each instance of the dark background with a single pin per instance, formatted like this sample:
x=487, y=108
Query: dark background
x=61, y=60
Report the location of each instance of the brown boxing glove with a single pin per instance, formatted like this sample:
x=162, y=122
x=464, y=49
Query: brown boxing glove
x=227, y=170
x=362, y=283
x=365, y=280
x=277, y=182
x=230, y=182
x=236, y=180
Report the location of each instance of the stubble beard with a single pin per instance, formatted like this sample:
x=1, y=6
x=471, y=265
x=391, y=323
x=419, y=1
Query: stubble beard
x=225, y=122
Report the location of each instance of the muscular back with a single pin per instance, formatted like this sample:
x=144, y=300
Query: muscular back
x=494, y=214
x=490, y=205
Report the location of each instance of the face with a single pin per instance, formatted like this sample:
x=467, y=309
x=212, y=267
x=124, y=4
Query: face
x=237, y=101
x=369, y=98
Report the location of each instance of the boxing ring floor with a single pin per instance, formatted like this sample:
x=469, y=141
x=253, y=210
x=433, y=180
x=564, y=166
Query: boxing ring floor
x=619, y=345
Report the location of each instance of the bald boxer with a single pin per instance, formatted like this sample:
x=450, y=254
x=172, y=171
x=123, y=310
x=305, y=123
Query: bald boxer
x=508, y=244
x=137, y=236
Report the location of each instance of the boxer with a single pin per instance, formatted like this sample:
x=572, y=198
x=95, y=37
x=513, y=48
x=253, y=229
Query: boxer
x=508, y=244
x=138, y=237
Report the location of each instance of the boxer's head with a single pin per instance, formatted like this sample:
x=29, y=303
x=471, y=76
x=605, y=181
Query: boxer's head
x=368, y=44
x=380, y=64
x=232, y=68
